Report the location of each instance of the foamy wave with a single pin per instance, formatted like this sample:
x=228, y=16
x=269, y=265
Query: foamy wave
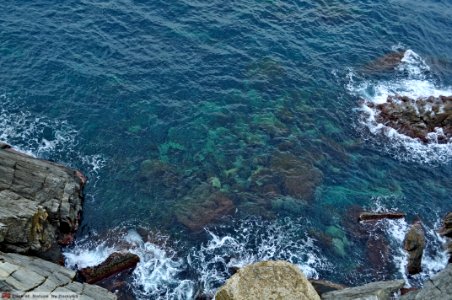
x=252, y=241
x=413, y=65
x=435, y=257
x=42, y=137
x=412, y=79
x=157, y=275
x=163, y=273
x=86, y=255
x=36, y=136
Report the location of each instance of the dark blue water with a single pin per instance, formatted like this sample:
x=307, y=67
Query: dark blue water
x=242, y=116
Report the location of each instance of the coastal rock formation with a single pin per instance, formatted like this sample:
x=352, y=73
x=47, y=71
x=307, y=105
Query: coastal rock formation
x=446, y=231
x=114, y=264
x=380, y=290
x=375, y=216
x=420, y=118
x=268, y=280
x=41, y=203
x=22, y=275
x=414, y=243
x=438, y=287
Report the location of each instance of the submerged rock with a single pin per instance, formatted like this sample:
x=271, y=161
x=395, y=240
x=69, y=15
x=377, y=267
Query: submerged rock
x=299, y=178
x=152, y=169
x=287, y=175
x=414, y=243
x=114, y=264
x=268, y=280
x=427, y=119
x=380, y=290
x=384, y=63
x=204, y=205
x=372, y=234
x=41, y=204
x=378, y=253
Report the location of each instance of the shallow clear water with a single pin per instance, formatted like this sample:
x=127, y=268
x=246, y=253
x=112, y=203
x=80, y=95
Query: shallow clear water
x=158, y=101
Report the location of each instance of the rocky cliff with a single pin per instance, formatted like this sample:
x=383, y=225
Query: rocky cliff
x=41, y=203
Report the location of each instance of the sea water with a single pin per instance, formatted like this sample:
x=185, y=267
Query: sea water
x=208, y=94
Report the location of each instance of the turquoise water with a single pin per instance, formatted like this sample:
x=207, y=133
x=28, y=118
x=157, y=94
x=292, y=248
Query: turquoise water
x=247, y=110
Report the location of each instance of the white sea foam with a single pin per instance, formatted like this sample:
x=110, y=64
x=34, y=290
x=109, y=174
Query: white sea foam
x=162, y=272
x=252, y=241
x=86, y=255
x=435, y=257
x=157, y=275
x=43, y=137
x=412, y=79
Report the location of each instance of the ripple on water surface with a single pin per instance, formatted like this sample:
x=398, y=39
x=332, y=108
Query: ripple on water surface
x=156, y=99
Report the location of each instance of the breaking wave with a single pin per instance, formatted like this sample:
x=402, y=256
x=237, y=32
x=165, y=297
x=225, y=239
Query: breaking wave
x=43, y=137
x=412, y=78
x=251, y=241
x=164, y=273
x=435, y=257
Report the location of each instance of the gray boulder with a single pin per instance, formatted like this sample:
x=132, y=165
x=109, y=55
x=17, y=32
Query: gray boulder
x=28, y=276
x=268, y=280
x=380, y=290
x=437, y=288
x=41, y=203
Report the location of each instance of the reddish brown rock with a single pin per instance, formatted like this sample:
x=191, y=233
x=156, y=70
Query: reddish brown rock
x=384, y=63
x=372, y=235
x=375, y=216
x=299, y=179
x=378, y=253
x=114, y=264
x=446, y=229
x=350, y=222
x=417, y=118
x=203, y=206
x=404, y=291
x=287, y=175
x=414, y=244
x=66, y=239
